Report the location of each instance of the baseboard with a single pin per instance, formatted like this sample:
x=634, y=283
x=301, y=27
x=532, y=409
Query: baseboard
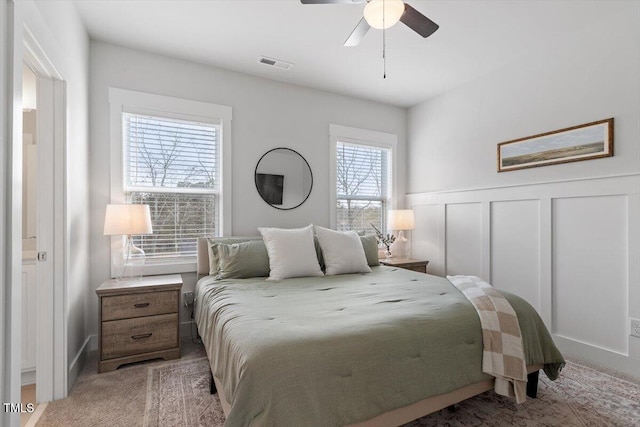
x=599, y=358
x=77, y=363
x=93, y=344
x=28, y=377
x=35, y=417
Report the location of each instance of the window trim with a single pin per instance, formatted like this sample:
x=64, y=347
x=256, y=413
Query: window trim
x=365, y=137
x=123, y=100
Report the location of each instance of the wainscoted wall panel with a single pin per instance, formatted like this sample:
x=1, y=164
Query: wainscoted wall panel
x=570, y=248
x=590, y=299
x=426, y=236
x=464, y=239
x=515, y=248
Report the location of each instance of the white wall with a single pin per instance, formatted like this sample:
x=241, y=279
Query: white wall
x=266, y=114
x=565, y=237
x=583, y=78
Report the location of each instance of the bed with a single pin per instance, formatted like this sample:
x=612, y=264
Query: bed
x=375, y=349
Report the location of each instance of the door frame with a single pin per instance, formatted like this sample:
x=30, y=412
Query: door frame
x=9, y=382
x=51, y=358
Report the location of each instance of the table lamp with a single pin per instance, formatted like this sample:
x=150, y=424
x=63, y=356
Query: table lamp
x=401, y=220
x=127, y=220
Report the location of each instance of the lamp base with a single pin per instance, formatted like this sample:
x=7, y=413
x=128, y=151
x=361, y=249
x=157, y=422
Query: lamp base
x=128, y=261
x=399, y=247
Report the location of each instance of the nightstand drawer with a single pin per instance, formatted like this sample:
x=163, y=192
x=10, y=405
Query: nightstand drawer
x=139, y=335
x=139, y=305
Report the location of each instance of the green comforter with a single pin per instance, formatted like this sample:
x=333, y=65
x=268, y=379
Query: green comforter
x=335, y=350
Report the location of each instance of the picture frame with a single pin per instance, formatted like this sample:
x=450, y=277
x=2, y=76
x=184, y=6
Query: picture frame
x=583, y=142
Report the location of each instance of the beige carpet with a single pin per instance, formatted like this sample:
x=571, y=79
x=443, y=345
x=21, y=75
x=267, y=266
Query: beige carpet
x=112, y=399
x=166, y=394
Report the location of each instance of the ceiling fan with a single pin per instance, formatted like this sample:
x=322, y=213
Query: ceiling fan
x=382, y=14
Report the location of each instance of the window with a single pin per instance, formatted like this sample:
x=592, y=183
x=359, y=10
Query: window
x=363, y=178
x=362, y=187
x=173, y=155
x=172, y=166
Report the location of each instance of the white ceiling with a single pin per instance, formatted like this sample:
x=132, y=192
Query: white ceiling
x=475, y=37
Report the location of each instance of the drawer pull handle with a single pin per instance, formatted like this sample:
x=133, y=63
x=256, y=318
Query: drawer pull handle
x=138, y=337
x=141, y=305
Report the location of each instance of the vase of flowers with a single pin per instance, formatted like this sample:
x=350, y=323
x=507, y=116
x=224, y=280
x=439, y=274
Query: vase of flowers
x=385, y=239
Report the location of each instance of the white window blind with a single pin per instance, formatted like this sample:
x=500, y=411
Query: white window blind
x=362, y=186
x=174, y=167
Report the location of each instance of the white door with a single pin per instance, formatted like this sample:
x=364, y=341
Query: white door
x=50, y=123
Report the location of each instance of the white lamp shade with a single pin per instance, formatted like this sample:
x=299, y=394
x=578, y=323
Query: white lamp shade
x=127, y=220
x=383, y=14
x=402, y=219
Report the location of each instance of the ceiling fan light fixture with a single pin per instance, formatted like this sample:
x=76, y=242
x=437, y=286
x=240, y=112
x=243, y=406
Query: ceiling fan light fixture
x=391, y=10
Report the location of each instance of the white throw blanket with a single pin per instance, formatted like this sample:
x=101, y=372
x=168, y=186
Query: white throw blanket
x=503, y=354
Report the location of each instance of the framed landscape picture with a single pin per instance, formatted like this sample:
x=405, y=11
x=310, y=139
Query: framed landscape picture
x=584, y=142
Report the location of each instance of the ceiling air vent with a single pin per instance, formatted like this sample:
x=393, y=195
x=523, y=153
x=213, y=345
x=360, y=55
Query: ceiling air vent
x=275, y=63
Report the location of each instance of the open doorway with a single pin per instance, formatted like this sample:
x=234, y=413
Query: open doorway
x=43, y=362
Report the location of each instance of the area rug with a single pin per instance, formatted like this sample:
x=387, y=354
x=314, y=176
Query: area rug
x=178, y=395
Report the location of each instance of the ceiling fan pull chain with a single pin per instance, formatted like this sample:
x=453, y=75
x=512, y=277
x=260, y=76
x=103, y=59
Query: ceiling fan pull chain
x=384, y=42
x=384, y=55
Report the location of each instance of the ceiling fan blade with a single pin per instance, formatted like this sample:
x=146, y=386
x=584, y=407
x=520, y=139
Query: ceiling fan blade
x=418, y=22
x=331, y=1
x=358, y=33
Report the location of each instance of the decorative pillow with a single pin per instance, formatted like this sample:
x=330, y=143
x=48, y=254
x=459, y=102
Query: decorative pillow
x=342, y=252
x=370, y=245
x=291, y=252
x=213, y=249
x=242, y=260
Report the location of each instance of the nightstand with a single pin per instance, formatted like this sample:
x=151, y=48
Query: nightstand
x=138, y=320
x=406, y=263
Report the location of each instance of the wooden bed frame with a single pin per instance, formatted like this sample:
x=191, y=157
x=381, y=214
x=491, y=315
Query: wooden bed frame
x=394, y=417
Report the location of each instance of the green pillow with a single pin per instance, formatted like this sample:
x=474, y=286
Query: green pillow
x=242, y=260
x=370, y=245
x=235, y=268
x=213, y=249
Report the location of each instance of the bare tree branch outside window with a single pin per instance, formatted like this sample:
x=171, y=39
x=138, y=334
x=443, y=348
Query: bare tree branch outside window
x=173, y=166
x=361, y=186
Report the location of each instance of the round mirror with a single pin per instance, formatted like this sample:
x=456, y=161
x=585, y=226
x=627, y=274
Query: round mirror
x=283, y=178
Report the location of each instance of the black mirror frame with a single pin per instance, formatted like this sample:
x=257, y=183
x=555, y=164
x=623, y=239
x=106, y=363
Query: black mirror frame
x=255, y=180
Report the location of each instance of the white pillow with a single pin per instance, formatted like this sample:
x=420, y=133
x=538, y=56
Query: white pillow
x=342, y=252
x=292, y=252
